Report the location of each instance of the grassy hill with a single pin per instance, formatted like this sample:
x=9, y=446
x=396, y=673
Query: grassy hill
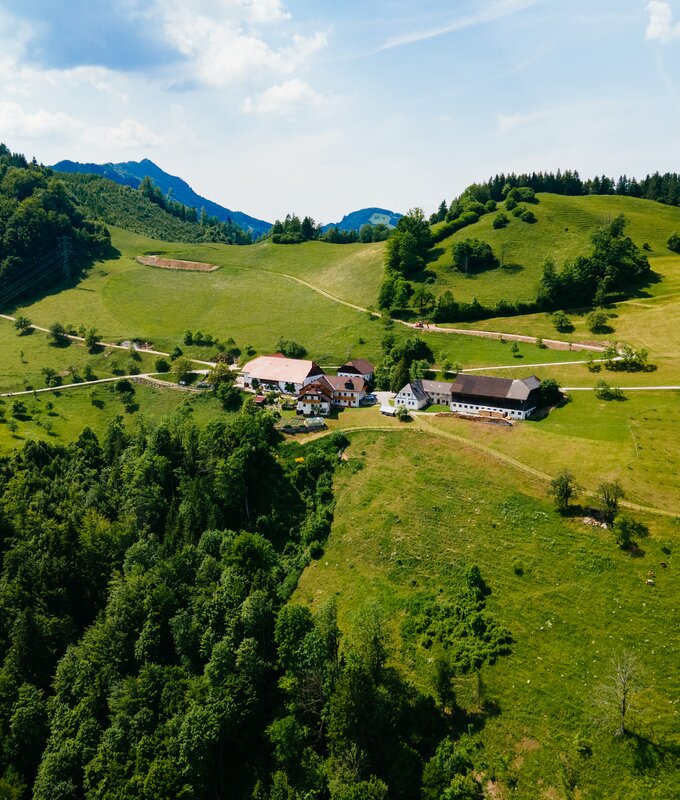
x=254, y=297
x=562, y=232
x=412, y=512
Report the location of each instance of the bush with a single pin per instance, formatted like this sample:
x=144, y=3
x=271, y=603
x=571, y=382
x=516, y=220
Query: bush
x=290, y=349
x=470, y=255
x=528, y=216
x=598, y=321
x=501, y=220
x=562, y=322
x=603, y=391
x=673, y=242
x=162, y=365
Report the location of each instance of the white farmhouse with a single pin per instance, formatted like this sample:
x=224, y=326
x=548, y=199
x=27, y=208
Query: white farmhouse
x=412, y=396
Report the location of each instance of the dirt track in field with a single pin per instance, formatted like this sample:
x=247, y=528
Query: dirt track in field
x=173, y=263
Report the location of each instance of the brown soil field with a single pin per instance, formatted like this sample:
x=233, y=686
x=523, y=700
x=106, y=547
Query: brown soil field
x=173, y=263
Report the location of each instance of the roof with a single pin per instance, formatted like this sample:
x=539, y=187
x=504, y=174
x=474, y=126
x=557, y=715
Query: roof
x=500, y=388
x=340, y=383
x=416, y=389
x=389, y=410
x=278, y=368
x=437, y=387
x=358, y=365
x=317, y=387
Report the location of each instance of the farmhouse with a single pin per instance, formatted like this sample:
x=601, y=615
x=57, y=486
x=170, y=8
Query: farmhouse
x=318, y=396
x=412, y=396
x=359, y=367
x=315, y=399
x=438, y=391
x=485, y=396
x=278, y=372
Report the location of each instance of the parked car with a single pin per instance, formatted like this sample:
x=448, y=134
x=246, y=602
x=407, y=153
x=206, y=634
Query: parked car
x=369, y=400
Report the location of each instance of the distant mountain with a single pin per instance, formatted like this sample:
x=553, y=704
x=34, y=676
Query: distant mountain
x=371, y=216
x=131, y=173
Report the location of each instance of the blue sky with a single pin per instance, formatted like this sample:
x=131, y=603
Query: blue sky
x=321, y=107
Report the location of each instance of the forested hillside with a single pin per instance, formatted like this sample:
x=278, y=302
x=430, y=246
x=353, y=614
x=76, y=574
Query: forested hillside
x=145, y=210
x=44, y=237
x=132, y=173
x=145, y=646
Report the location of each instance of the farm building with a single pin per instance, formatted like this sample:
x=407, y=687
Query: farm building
x=280, y=373
x=476, y=394
x=318, y=396
x=315, y=398
x=412, y=396
x=438, y=391
x=359, y=367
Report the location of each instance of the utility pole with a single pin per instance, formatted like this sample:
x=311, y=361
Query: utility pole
x=65, y=253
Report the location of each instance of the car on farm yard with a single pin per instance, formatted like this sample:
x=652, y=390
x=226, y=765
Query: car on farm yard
x=369, y=400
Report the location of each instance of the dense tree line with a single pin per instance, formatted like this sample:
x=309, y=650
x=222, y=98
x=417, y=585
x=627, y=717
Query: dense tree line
x=613, y=265
x=147, y=649
x=293, y=230
x=41, y=229
x=149, y=212
x=405, y=257
x=662, y=188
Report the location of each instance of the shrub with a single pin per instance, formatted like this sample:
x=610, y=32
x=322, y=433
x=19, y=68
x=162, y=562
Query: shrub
x=501, y=220
x=673, y=242
x=598, y=321
x=162, y=365
x=528, y=216
x=562, y=322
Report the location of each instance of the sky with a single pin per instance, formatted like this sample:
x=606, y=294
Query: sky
x=322, y=107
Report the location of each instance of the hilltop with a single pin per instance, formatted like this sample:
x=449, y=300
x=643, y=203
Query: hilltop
x=365, y=216
x=131, y=173
x=561, y=232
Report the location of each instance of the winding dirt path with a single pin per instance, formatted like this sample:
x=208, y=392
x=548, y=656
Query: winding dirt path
x=551, y=344
x=423, y=426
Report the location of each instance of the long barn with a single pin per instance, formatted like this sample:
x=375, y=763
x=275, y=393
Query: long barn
x=477, y=394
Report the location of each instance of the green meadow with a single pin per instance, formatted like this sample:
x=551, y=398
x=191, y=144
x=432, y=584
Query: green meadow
x=23, y=357
x=562, y=231
x=412, y=512
x=253, y=304
x=60, y=416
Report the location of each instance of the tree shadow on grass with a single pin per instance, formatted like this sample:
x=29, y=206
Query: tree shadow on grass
x=649, y=755
x=513, y=268
x=434, y=254
x=56, y=288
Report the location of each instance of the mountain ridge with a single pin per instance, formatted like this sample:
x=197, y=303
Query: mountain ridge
x=131, y=173
x=372, y=215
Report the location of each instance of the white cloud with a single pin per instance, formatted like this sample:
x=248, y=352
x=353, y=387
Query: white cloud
x=16, y=122
x=283, y=99
x=128, y=135
x=509, y=122
x=223, y=44
x=661, y=25
x=496, y=10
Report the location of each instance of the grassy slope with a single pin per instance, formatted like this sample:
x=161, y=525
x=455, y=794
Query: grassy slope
x=419, y=510
x=23, y=357
x=73, y=410
x=243, y=299
x=562, y=232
